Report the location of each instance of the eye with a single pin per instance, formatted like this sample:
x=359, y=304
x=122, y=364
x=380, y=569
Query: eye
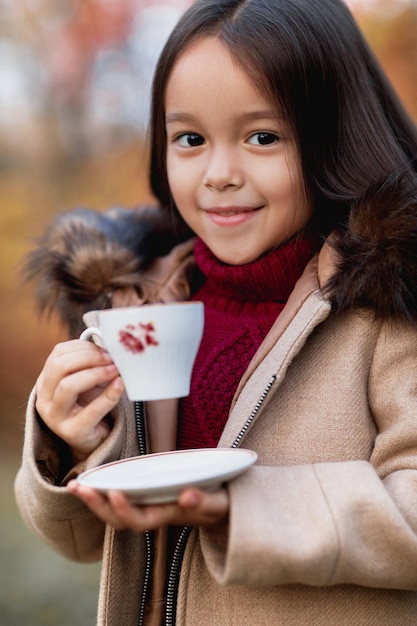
x=263, y=139
x=190, y=140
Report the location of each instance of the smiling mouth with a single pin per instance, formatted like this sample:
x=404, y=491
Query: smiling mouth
x=231, y=211
x=231, y=216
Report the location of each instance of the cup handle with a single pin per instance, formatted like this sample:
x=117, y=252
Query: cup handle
x=88, y=333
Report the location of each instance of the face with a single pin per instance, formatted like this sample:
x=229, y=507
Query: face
x=233, y=168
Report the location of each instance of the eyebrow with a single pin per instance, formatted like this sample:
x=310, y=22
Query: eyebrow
x=250, y=116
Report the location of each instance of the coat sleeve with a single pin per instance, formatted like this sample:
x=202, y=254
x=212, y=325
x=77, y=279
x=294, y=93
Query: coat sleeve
x=335, y=523
x=46, y=506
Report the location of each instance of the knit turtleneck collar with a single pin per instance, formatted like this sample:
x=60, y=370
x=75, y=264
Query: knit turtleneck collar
x=271, y=278
x=241, y=303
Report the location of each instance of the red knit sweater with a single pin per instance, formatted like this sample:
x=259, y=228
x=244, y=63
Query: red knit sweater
x=241, y=304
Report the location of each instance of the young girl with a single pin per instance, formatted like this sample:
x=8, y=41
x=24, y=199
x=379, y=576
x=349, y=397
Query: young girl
x=280, y=148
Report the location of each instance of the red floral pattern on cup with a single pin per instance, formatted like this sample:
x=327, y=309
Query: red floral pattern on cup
x=137, y=338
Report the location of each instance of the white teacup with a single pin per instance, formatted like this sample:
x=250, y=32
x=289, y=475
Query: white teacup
x=153, y=346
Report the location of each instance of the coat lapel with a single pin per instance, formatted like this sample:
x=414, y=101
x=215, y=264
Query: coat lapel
x=306, y=308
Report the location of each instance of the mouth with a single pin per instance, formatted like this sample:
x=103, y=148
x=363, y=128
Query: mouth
x=227, y=211
x=230, y=216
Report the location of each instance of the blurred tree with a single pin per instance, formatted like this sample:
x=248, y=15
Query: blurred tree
x=391, y=29
x=83, y=69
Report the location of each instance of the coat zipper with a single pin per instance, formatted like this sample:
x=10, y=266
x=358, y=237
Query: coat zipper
x=173, y=579
x=140, y=430
x=172, y=587
x=252, y=416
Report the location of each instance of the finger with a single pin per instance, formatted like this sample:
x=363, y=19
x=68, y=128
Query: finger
x=66, y=351
x=71, y=387
x=86, y=430
x=63, y=402
x=104, y=402
x=68, y=358
x=198, y=509
x=194, y=507
x=143, y=518
x=97, y=503
x=204, y=507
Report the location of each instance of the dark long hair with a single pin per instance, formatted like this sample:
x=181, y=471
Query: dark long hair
x=310, y=58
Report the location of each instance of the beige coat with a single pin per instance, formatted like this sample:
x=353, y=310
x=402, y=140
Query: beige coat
x=323, y=529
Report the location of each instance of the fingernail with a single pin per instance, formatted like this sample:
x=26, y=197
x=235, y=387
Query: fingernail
x=118, y=383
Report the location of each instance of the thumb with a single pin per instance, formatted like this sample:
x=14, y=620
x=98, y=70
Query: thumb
x=211, y=505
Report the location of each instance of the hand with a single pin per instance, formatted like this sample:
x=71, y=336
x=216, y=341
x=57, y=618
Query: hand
x=76, y=389
x=194, y=507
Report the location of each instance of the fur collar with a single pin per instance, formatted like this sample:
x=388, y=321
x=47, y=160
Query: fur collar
x=85, y=257
x=377, y=254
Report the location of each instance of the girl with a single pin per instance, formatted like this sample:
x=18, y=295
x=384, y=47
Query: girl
x=279, y=146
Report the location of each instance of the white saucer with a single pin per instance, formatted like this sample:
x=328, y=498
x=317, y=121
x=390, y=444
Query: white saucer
x=157, y=478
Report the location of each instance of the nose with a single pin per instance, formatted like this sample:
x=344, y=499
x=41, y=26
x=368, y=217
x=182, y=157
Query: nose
x=223, y=169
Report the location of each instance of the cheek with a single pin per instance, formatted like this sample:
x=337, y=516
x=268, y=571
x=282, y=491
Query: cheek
x=182, y=183
x=174, y=180
x=180, y=195
x=178, y=190
x=293, y=211
x=176, y=170
x=282, y=191
x=293, y=195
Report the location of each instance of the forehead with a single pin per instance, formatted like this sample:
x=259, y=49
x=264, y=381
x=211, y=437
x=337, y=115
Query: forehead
x=206, y=72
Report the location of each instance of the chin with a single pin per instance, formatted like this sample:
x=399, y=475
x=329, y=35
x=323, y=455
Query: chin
x=233, y=254
x=234, y=259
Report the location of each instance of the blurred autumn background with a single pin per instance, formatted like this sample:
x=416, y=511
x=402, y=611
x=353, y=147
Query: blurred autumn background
x=75, y=80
